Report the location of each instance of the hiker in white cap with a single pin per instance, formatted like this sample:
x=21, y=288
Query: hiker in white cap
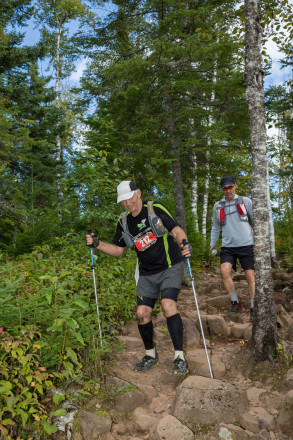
x=232, y=215
x=157, y=238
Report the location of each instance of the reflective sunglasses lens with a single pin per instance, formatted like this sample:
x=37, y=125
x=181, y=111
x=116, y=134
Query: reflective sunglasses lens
x=228, y=187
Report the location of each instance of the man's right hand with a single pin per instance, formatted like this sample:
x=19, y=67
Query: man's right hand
x=91, y=240
x=213, y=252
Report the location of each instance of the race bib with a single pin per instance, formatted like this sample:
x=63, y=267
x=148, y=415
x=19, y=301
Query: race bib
x=145, y=242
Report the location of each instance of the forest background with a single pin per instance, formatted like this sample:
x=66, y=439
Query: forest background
x=162, y=101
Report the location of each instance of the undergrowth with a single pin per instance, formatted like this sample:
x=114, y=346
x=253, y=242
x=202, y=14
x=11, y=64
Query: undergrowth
x=49, y=334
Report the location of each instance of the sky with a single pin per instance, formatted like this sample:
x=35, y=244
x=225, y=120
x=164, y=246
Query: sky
x=278, y=75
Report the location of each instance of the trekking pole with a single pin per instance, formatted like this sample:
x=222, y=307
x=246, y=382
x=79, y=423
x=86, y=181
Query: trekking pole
x=95, y=287
x=197, y=308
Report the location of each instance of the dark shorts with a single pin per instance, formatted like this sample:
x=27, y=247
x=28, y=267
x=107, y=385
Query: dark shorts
x=168, y=283
x=243, y=253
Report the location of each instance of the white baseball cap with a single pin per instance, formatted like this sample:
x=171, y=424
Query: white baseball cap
x=125, y=190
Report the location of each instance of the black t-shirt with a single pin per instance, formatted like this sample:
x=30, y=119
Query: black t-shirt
x=154, y=253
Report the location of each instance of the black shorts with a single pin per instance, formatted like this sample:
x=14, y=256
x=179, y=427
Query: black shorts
x=243, y=253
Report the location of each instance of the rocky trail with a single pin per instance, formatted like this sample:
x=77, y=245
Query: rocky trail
x=242, y=401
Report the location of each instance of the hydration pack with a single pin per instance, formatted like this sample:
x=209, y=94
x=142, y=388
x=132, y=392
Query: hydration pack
x=240, y=207
x=156, y=224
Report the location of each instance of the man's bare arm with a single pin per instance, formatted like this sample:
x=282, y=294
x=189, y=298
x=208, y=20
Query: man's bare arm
x=107, y=248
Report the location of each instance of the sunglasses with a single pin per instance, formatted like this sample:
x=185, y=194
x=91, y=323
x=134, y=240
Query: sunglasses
x=228, y=187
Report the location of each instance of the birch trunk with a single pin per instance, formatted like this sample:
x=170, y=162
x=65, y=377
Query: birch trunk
x=206, y=195
x=271, y=223
x=208, y=175
x=58, y=137
x=264, y=336
x=194, y=194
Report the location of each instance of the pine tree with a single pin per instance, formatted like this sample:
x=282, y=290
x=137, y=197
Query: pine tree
x=152, y=80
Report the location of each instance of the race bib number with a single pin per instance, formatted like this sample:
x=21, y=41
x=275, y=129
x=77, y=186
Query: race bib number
x=145, y=242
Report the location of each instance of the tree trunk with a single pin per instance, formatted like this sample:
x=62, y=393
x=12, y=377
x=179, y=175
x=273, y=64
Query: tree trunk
x=264, y=337
x=58, y=137
x=271, y=223
x=176, y=166
x=291, y=180
x=177, y=180
x=194, y=194
x=206, y=195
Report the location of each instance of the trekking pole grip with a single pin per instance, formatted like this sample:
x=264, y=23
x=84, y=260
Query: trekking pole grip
x=184, y=242
x=91, y=248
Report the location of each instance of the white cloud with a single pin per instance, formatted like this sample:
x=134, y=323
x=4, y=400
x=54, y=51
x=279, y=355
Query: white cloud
x=76, y=75
x=278, y=74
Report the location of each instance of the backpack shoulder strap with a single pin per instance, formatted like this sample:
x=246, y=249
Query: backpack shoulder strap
x=220, y=212
x=155, y=222
x=150, y=207
x=123, y=219
x=151, y=212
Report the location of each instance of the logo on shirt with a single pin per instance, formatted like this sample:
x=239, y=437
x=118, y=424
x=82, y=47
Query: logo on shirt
x=142, y=224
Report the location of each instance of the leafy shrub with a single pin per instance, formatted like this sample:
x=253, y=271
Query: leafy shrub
x=24, y=381
x=51, y=289
x=283, y=357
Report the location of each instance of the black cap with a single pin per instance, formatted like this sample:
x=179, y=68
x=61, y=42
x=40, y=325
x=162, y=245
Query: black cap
x=227, y=181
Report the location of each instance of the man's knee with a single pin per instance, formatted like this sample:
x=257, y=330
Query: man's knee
x=225, y=271
x=249, y=274
x=169, y=307
x=143, y=314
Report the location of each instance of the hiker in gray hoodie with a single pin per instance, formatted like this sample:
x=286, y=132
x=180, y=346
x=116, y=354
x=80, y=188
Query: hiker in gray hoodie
x=232, y=215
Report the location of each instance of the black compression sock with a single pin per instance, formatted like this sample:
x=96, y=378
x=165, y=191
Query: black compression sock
x=146, y=333
x=175, y=327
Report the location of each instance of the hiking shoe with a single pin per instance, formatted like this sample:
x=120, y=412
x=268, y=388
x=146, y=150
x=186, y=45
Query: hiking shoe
x=179, y=367
x=237, y=307
x=251, y=315
x=146, y=363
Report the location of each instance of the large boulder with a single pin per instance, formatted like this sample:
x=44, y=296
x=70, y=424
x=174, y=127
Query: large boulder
x=92, y=426
x=129, y=400
x=256, y=419
x=143, y=421
x=232, y=432
x=288, y=378
x=239, y=330
x=200, y=400
x=214, y=325
x=220, y=301
x=170, y=428
x=191, y=336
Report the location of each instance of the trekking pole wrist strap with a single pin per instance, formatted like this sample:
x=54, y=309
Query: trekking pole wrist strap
x=96, y=241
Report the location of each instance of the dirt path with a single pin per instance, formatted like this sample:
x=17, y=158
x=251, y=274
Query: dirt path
x=136, y=411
